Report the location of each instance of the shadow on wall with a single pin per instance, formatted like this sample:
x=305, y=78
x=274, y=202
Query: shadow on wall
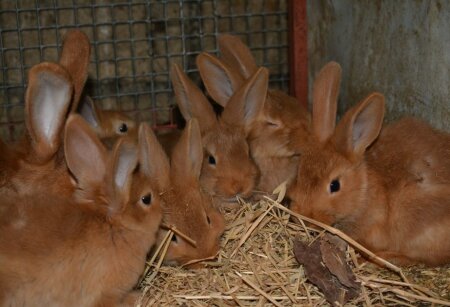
x=400, y=48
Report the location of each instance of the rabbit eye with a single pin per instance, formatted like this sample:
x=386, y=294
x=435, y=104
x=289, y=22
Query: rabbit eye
x=211, y=160
x=209, y=221
x=123, y=128
x=174, y=239
x=335, y=186
x=271, y=123
x=147, y=199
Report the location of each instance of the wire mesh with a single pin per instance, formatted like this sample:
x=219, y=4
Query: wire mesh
x=133, y=45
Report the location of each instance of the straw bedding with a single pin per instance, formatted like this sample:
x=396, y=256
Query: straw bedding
x=256, y=267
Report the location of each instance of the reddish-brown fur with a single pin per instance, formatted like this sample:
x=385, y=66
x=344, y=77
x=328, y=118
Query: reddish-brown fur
x=36, y=161
x=228, y=170
x=89, y=250
x=108, y=124
x=186, y=205
x=282, y=119
x=394, y=195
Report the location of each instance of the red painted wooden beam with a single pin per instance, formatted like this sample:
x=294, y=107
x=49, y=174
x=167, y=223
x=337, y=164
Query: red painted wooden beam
x=298, y=50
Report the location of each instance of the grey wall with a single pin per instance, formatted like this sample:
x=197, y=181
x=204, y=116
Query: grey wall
x=400, y=48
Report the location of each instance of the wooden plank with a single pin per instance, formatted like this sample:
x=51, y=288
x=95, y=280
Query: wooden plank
x=298, y=50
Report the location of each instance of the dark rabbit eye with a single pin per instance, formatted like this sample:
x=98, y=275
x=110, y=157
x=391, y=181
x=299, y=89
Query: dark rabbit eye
x=209, y=221
x=147, y=199
x=211, y=160
x=335, y=186
x=174, y=239
x=271, y=123
x=123, y=128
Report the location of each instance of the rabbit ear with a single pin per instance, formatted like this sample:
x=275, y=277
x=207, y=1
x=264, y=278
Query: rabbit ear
x=245, y=106
x=220, y=80
x=47, y=101
x=325, y=94
x=360, y=126
x=88, y=110
x=191, y=100
x=152, y=158
x=124, y=162
x=236, y=54
x=74, y=58
x=187, y=156
x=86, y=156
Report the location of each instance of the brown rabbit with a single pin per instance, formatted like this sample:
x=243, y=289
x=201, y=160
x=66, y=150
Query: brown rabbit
x=108, y=124
x=74, y=58
x=91, y=250
x=35, y=160
x=186, y=206
x=389, y=191
x=228, y=170
x=282, y=116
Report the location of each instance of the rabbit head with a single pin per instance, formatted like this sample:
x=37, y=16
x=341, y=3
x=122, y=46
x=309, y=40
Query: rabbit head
x=37, y=155
x=186, y=206
x=228, y=170
x=75, y=59
x=108, y=124
x=332, y=180
x=282, y=116
x=100, y=236
x=52, y=90
x=132, y=193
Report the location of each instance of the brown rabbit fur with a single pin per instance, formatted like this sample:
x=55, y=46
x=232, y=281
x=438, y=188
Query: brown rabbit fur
x=186, y=206
x=282, y=116
x=75, y=59
x=389, y=191
x=108, y=124
x=89, y=251
x=228, y=170
x=35, y=161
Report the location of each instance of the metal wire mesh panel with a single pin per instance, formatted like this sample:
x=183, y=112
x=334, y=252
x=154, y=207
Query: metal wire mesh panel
x=133, y=45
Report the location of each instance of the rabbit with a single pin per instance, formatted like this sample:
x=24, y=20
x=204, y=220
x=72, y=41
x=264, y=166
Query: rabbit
x=75, y=59
x=108, y=124
x=36, y=160
x=271, y=133
x=388, y=190
x=186, y=206
x=89, y=250
x=228, y=170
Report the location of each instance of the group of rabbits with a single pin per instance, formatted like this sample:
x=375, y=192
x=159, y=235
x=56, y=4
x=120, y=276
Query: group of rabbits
x=84, y=192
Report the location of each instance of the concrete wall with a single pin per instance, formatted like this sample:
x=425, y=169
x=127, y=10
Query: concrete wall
x=400, y=48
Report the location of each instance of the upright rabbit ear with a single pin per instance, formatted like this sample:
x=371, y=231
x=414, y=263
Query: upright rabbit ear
x=187, y=156
x=88, y=110
x=152, y=158
x=124, y=162
x=236, y=54
x=220, y=80
x=47, y=101
x=74, y=58
x=360, y=126
x=247, y=103
x=325, y=95
x=86, y=157
x=191, y=100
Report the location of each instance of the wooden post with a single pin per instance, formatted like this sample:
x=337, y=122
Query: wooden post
x=298, y=50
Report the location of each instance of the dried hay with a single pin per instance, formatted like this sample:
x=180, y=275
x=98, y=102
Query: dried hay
x=256, y=267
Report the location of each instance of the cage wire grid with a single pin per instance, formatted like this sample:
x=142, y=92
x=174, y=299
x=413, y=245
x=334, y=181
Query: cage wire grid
x=133, y=44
